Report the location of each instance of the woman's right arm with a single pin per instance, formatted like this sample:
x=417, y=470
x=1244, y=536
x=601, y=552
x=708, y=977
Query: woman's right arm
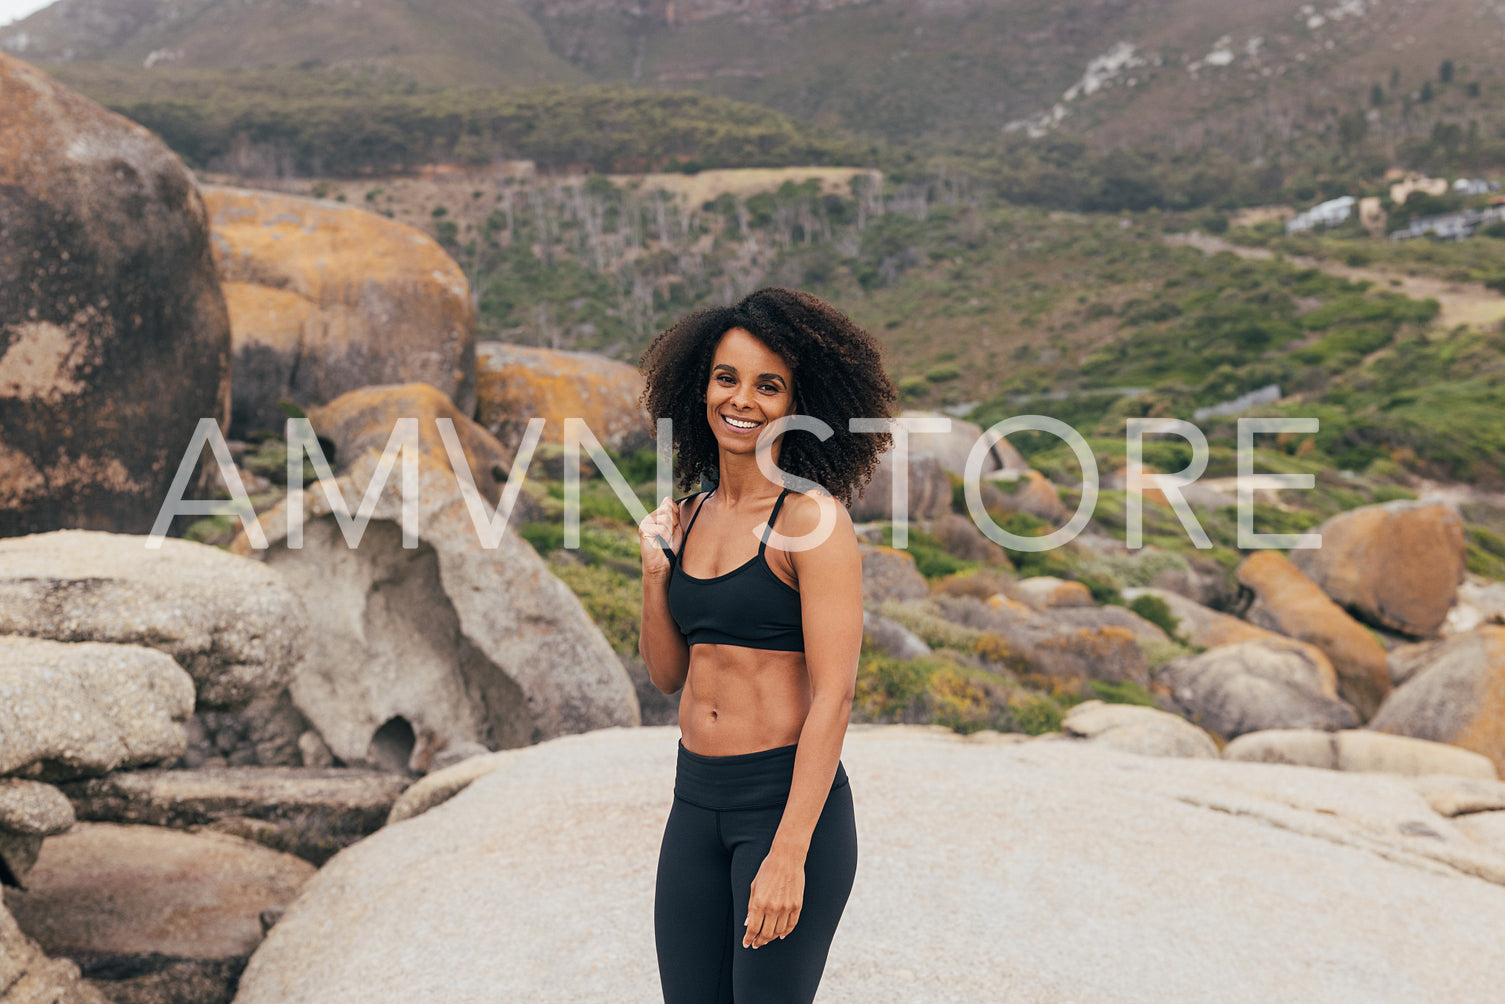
x=664, y=650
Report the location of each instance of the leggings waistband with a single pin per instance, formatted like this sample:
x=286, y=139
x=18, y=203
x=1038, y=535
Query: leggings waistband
x=743, y=781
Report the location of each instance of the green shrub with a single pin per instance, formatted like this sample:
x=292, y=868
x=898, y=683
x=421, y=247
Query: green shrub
x=1157, y=612
x=1122, y=692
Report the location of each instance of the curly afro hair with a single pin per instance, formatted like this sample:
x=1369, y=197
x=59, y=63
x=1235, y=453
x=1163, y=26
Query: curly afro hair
x=838, y=375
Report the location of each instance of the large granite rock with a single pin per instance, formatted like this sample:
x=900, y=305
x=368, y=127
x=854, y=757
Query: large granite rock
x=1358, y=749
x=416, y=650
x=1263, y=683
x=324, y=299
x=129, y=902
x=1285, y=601
x=1396, y=565
x=231, y=623
x=301, y=811
x=1458, y=696
x=929, y=491
x=68, y=710
x=1059, y=645
x=114, y=340
x=517, y=383
x=890, y=574
x=1067, y=872
x=1202, y=626
x=1133, y=729
x=29, y=812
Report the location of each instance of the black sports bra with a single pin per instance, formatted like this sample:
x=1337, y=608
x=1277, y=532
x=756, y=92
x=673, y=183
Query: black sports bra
x=749, y=606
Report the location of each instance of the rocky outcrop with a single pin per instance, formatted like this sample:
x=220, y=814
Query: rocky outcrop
x=1396, y=565
x=1360, y=750
x=451, y=642
x=1264, y=683
x=29, y=812
x=480, y=899
x=1200, y=625
x=517, y=383
x=68, y=710
x=1287, y=602
x=324, y=299
x=929, y=491
x=1026, y=491
x=1457, y=696
x=231, y=623
x=1044, y=591
x=143, y=908
x=114, y=340
x=1132, y=729
x=306, y=812
x=363, y=420
x=891, y=637
x=890, y=574
x=1066, y=645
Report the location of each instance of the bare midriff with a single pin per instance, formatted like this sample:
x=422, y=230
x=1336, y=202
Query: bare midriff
x=742, y=700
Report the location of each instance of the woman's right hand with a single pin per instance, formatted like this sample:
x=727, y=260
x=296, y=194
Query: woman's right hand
x=661, y=526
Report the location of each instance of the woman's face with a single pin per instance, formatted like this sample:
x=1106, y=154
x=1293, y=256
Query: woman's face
x=750, y=386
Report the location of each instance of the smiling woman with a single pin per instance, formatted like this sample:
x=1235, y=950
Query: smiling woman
x=762, y=648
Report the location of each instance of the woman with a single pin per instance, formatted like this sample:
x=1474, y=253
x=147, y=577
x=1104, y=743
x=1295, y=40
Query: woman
x=760, y=849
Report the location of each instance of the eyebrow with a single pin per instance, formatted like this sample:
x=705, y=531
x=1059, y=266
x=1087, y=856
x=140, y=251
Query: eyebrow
x=733, y=370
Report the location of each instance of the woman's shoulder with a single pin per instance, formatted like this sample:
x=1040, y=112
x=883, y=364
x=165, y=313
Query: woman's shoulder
x=806, y=510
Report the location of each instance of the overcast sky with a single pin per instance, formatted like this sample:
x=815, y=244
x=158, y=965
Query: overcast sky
x=14, y=10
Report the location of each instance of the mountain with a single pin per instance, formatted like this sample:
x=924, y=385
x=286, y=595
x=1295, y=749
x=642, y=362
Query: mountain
x=1254, y=77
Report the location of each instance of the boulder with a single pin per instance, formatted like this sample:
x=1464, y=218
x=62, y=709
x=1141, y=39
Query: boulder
x=1458, y=697
x=68, y=710
x=1025, y=491
x=28, y=976
x=1396, y=565
x=306, y=812
x=1287, y=602
x=1068, y=645
x=951, y=449
x=128, y=902
x=1480, y=601
x=231, y=623
x=960, y=536
x=1263, y=683
x=1201, y=626
x=363, y=420
x=891, y=637
x=929, y=491
x=29, y=811
x=1042, y=591
x=268, y=732
x=324, y=299
x=1359, y=750
x=1488, y=828
x=511, y=888
x=442, y=785
x=1110, y=614
x=1134, y=729
x=516, y=383
x=114, y=340
x=451, y=642
x=890, y=574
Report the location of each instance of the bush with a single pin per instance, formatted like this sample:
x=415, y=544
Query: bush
x=1157, y=612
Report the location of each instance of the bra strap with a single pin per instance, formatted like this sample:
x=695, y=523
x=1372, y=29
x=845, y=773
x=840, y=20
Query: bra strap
x=778, y=504
x=685, y=537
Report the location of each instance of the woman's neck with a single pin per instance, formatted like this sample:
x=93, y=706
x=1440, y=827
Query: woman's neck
x=741, y=481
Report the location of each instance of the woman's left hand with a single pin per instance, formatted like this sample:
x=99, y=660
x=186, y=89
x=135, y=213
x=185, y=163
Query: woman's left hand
x=778, y=892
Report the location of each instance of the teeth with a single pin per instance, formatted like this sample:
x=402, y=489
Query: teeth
x=737, y=423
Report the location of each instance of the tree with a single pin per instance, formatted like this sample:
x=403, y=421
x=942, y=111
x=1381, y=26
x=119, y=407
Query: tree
x=1376, y=95
x=1426, y=92
x=1445, y=72
x=1352, y=127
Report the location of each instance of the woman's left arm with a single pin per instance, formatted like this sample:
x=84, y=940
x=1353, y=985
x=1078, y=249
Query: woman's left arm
x=830, y=581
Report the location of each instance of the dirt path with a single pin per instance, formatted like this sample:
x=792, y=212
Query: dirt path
x=1468, y=303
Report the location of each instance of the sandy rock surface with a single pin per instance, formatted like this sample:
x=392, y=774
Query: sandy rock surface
x=1054, y=871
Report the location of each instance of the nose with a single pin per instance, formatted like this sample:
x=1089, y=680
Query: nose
x=742, y=399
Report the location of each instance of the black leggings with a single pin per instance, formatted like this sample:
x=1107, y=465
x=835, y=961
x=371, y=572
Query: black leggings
x=721, y=826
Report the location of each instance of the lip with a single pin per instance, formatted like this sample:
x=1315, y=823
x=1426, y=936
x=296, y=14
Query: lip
x=732, y=428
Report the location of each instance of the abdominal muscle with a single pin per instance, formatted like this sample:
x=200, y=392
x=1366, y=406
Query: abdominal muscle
x=742, y=700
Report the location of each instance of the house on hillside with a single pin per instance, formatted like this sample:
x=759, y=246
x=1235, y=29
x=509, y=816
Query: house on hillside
x=1323, y=215
x=1475, y=186
x=1417, y=183
x=1451, y=226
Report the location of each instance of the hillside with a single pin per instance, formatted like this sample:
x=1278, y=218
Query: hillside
x=1259, y=78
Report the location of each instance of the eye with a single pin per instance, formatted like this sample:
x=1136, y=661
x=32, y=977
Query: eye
x=772, y=388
